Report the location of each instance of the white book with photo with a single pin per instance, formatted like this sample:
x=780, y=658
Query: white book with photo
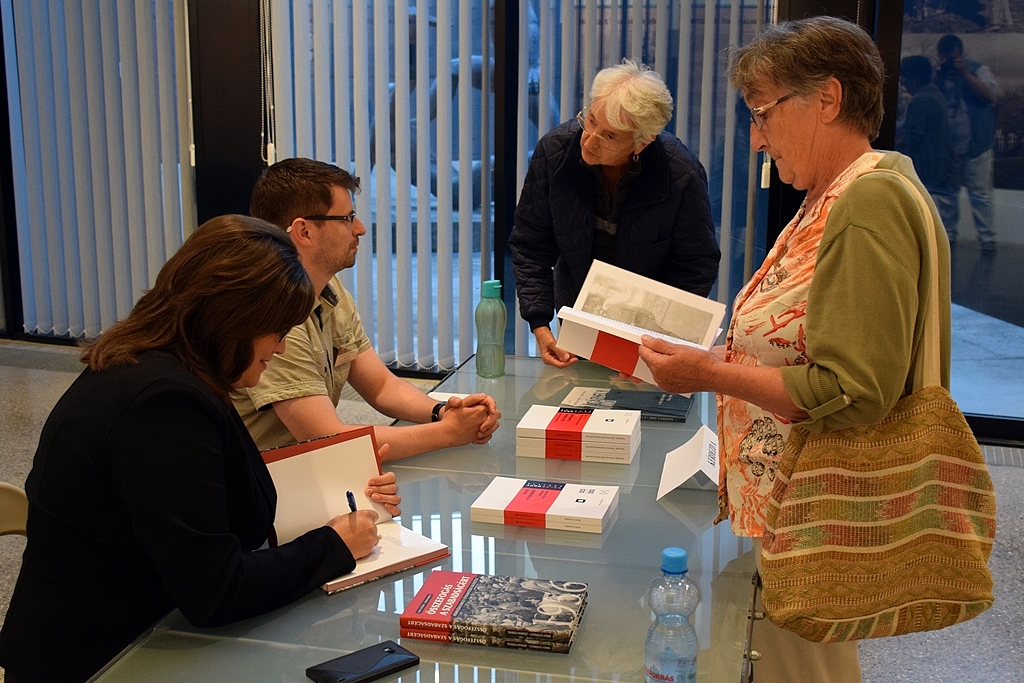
x=616, y=307
x=313, y=479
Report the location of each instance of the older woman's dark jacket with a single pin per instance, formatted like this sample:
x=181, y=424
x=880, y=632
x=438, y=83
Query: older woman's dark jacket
x=664, y=225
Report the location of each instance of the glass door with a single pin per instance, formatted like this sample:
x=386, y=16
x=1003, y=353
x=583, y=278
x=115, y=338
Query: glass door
x=961, y=118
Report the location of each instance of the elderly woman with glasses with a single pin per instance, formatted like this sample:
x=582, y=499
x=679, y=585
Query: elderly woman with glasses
x=610, y=185
x=825, y=332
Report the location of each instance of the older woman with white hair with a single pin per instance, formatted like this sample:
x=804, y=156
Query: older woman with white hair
x=611, y=185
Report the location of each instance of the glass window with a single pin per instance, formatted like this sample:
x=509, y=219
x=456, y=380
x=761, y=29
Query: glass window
x=961, y=119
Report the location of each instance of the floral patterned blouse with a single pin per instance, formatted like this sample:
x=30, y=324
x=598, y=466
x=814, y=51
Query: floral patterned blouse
x=767, y=329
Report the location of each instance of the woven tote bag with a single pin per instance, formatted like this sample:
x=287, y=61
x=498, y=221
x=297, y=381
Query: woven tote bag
x=883, y=529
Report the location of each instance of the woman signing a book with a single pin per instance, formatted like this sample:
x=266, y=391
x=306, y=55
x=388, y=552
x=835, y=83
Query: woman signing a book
x=146, y=492
x=825, y=332
x=611, y=185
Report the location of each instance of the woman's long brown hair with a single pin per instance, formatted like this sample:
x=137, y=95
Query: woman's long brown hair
x=234, y=279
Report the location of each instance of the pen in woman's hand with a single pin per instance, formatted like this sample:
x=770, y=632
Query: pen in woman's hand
x=351, y=501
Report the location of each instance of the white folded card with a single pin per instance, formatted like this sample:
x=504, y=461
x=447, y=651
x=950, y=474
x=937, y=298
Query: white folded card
x=692, y=465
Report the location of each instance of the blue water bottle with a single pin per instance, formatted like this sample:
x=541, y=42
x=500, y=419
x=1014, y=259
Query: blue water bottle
x=670, y=654
x=490, y=331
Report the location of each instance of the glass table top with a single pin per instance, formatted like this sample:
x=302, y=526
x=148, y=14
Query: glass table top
x=437, y=491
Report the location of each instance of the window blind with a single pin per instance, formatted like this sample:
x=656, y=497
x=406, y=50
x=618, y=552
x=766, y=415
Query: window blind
x=100, y=148
x=412, y=131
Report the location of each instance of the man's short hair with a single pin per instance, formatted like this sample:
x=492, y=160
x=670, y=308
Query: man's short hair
x=948, y=44
x=297, y=187
x=916, y=69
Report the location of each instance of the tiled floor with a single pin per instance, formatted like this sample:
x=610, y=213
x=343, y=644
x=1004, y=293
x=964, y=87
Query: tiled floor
x=985, y=650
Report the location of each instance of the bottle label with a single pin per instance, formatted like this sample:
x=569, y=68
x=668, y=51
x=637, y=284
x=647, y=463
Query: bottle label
x=669, y=668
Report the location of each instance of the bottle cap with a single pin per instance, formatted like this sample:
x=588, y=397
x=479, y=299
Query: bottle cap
x=673, y=560
x=491, y=289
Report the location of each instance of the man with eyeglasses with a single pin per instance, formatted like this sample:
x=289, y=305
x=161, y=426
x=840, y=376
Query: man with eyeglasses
x=297, y=396
x=610, y=185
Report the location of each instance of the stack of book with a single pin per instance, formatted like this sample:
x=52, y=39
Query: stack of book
x=587, y=434
x=497, y=611
x=546, y=504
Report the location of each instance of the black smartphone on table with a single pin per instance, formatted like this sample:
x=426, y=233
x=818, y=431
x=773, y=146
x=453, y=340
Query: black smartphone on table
x=364, y=665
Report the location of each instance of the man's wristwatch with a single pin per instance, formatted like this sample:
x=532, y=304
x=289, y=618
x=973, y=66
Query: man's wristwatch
x=435, y=413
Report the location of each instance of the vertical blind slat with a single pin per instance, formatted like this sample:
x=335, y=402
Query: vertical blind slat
x=683, y=74
x=639, y=26
x=186, y=176
x=486, y=251
x=114, y=151
x=343, y=153
x=661, y=38
x=342, y=86
x=522, y=145
x=144, y=44
x=424, y=281
x=465, y=87
x=567, y=96
x=100, y=171
x=91, y=176
x=167, y=89
x=612, y=38
x=361, y=103
x=382, y=132
x=403, y=193
x=285, y=94
x=445, y=324
x=51, y=182
x=79, y=257
x=590, y=39
x=131, y=148
x=14, y=101
x=304, y=95
x=707, y=87
x=726, y=240
x=544, y=68
x=32, y=19
x=322, y=147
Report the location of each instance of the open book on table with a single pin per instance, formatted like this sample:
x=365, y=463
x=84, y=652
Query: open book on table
x=312, y=480
x=615, y=308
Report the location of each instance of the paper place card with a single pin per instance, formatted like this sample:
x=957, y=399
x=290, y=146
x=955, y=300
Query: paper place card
x=692, y=465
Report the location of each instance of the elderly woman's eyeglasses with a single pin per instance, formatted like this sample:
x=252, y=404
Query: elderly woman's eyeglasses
x=757, y=113
x=607, y=140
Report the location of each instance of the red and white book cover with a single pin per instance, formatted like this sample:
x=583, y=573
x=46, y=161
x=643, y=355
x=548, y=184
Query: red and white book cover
x=588, y=434
x=546, y=504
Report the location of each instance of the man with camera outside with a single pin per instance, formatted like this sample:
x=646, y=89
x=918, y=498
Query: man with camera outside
x=970, y=91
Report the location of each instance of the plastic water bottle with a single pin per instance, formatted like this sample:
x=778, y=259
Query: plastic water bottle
x=670, y=654
x=490, y=331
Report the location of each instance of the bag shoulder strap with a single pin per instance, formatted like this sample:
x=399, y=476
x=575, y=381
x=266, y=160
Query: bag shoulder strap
x=927, y=371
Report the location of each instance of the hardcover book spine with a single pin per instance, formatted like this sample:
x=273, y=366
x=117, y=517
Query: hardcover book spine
x=425, y=634
x=441, y=637
x=487, y=641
